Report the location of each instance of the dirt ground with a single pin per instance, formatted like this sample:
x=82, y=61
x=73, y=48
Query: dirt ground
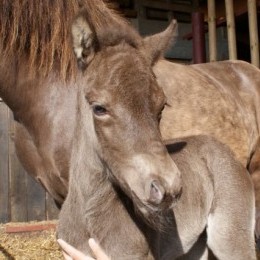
x=30, y=245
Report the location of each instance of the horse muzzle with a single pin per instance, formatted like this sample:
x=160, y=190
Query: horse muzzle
x=161, y=196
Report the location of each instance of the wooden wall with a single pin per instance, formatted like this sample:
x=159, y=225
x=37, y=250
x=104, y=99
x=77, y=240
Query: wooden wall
x=22, y=199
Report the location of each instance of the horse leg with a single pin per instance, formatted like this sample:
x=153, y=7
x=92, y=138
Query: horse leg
x=254, y=169
x=230, y=232
x=256, y=181
x=198, y=251
x=204, y=255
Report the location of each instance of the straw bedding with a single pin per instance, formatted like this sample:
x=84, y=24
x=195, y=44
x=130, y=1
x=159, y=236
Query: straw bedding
x=38, y=245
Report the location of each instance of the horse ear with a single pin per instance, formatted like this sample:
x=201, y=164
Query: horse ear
x=156, y=45
x=84, y=40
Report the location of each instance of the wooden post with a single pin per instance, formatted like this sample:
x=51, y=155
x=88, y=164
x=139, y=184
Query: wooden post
x=212, y=30
x=17, y=180
x=253, y=32
x=198, y=36
x=231, y=30
x=4, y=178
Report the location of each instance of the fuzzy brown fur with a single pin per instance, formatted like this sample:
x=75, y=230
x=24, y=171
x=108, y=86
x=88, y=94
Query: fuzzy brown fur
x=219, y=99
x=117, y=143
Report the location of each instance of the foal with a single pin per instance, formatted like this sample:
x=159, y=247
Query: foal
x=209, y=202
x=124, y=189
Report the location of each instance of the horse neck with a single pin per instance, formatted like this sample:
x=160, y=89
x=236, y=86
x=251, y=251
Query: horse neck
x=7, y=80
x=17, y=88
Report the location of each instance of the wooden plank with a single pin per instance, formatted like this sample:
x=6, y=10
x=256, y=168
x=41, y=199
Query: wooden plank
x=18, y=180
x=4, y=209
x=253, y=32
x=52, y=210
x=167, y=6
x=30, y=227
x=35, y=200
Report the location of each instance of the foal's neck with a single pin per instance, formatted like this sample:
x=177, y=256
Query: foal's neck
x=107, y=215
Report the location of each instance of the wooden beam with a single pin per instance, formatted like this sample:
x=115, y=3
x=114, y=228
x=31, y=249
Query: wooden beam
x=212, y=31
x=240, y=7
x=166, y=6
x=198, y=43
x=253, y=32
x=4, y=178
x=231, y=29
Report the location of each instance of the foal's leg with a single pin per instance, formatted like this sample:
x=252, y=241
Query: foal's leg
x=254, y=169
x=230, y=241
x=231, y=223
x=196, y=255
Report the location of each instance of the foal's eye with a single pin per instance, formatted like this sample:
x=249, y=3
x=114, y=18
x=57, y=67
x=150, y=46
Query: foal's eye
x=99, y=110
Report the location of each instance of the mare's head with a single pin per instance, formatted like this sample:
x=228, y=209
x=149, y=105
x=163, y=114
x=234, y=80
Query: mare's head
x=124, y=102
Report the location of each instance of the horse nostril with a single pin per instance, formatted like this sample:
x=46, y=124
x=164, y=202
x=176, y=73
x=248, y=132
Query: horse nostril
x=156, y=192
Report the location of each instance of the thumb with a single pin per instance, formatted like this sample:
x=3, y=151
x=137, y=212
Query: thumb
x=97, y=251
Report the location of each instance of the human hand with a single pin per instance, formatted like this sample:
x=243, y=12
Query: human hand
x=71, y=253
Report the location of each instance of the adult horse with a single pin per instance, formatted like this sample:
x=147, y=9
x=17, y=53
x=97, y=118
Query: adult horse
x=221, y=99
x=38, y=79
x=124, y=190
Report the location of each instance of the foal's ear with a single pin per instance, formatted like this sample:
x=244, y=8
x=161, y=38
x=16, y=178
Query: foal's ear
x=84, y=40
x=156, y=45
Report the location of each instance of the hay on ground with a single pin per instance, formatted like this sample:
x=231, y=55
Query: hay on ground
x=37, y=245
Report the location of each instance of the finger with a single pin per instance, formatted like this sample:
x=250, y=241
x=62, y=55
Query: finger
x=66, y=257
x=72, y=252
x=97, y=251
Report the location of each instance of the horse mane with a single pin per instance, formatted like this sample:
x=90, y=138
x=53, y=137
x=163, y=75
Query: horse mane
x=38, y=33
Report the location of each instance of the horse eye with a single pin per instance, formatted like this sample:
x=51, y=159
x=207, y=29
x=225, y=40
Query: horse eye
x=99, y=110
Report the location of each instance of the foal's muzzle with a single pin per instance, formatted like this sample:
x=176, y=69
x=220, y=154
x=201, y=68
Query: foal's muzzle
x=162, y=196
